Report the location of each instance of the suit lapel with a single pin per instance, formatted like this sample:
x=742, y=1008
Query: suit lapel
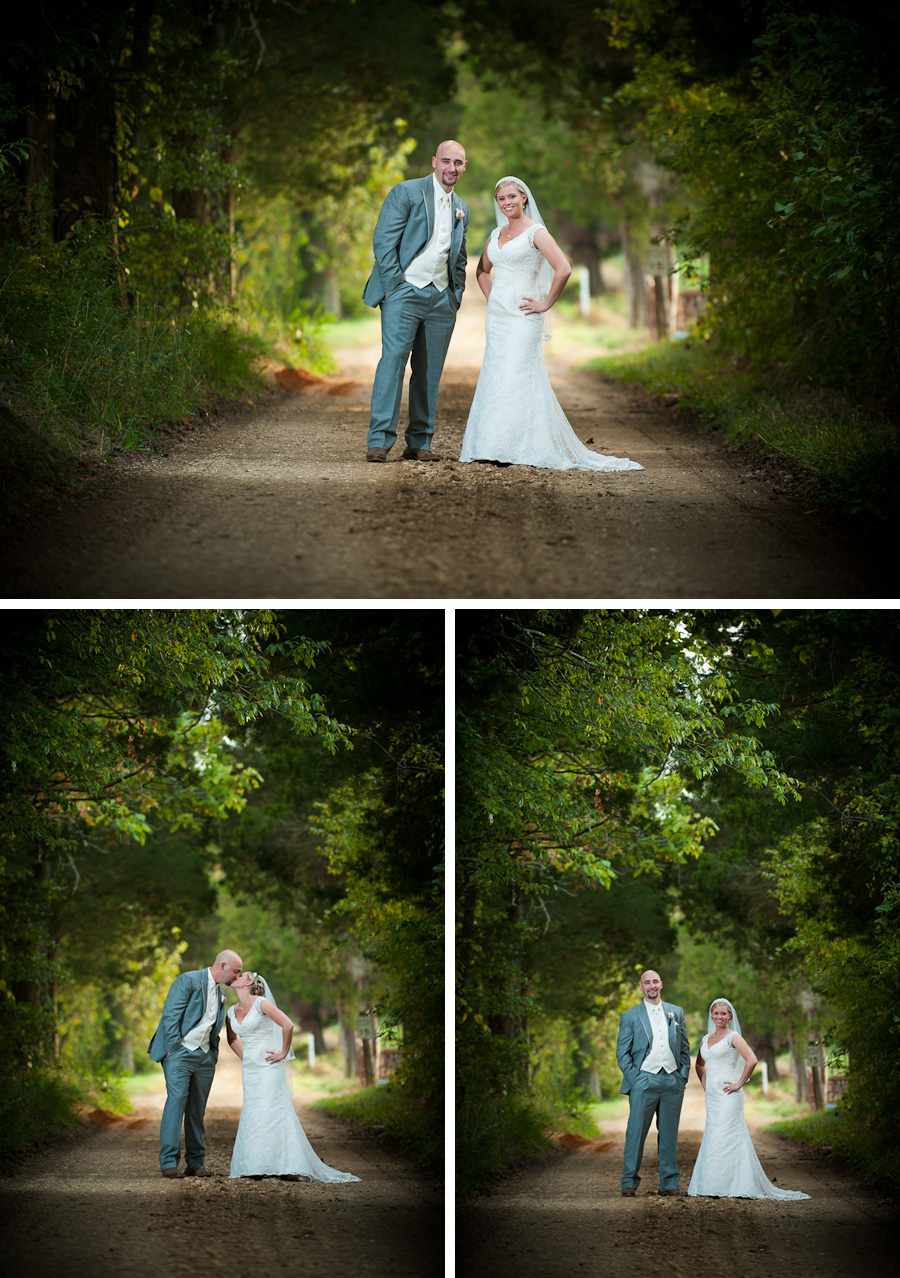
x=428, y=196
x=644, y=1019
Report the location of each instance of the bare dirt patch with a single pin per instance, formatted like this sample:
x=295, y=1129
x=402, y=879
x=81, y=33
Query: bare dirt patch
x=277, y=501
x=565, y=1215
x=97, y=1205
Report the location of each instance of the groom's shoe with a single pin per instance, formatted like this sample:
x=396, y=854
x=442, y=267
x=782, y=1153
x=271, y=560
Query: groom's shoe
x=419, y=454
x=628, y=1191
x=376, y=455
x=672, y=1193
x=172, y=1173
x=196, y=1171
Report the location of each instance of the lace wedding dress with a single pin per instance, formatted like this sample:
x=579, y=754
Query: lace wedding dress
x=727, y=1166
x=515, y=417
x=270, y=1140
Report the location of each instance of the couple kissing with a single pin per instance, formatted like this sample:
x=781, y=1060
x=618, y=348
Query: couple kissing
x=270, y=1139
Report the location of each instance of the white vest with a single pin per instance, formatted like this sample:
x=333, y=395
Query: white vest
x=660, y=1054
x=430, y=267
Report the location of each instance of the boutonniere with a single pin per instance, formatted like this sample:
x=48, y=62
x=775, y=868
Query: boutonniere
x=221, y=997
x=671, y=1016
x=460, y=214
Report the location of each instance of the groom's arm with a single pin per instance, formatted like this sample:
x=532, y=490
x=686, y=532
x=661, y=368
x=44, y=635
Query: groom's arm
x=173, y=1011
x=458, y=274
x=624, y=1044
x=387, y=236
x=683, y=1055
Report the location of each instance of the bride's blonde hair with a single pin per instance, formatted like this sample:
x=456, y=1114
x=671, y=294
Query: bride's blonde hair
x=257, y=984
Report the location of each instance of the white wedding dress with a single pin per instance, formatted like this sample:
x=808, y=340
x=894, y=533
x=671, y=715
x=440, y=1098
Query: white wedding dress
x=270, y=1140
x=515, y=417
x=727, y=1166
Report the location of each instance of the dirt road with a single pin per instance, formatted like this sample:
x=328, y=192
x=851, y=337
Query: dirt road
x=277, y=502
x=98, y=1206
x=566, y=1216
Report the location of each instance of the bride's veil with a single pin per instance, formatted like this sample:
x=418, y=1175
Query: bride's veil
x=710, y=1023
x=546, y=273
x=278, y=1036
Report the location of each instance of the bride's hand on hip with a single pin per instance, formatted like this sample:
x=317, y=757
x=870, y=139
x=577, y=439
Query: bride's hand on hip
x=532, y=306
x=731, y=1087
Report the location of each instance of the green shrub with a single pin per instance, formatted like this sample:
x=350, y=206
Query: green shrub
x=846, y=446
x=33, y=1107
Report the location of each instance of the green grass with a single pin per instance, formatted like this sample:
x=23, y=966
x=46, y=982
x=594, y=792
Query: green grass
x=417, y=1128
x=835, y=1133
x=847, y=449
x=33, y=1110
x=362, y=330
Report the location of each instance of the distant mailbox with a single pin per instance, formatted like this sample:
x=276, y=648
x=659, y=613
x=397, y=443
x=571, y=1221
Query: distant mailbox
x=657, y=260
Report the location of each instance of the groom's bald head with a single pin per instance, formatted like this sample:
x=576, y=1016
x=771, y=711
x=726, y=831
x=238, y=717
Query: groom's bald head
x=449, y=163
x=226, y=967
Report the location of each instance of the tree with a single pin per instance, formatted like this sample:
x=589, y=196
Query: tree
x=579, y=734
x=118, y=764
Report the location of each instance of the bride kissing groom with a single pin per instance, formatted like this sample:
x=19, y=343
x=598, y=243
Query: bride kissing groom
x=270, y=1140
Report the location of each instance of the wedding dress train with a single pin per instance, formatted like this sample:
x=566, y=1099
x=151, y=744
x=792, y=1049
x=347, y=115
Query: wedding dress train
x=727, y=1165
x=515, y=416
x=270, y=1140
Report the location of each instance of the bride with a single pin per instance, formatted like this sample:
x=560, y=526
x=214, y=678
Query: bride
x=515, y=417
x=727, y=1166
x=270, y=1140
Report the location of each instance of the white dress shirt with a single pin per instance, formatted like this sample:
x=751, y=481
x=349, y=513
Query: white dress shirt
x=660, y=1054
x=198, y=1035
x=431, y=266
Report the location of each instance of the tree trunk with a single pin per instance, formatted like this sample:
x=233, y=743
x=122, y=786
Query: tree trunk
x=348, y=1039
x=85, y=153
x=635, y=287
x=798, y=1066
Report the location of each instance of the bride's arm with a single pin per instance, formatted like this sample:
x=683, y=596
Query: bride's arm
x=483, y=271
x=547, y=245
x=741, y=1045
x=275, y=1014
x=700, y=1067
x=234, y=1041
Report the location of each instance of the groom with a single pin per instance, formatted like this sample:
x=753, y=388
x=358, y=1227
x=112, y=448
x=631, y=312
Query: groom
x=655, y=1059
x=418, y=281
x=187, y=1043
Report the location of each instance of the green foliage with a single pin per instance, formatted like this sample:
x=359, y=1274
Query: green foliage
x=34, y=1107
x=401, y=1115
x=117, y=760
x=837, y=1133
x=579, y=735
x=86, y=373
x=845, y=444
x=781, y=138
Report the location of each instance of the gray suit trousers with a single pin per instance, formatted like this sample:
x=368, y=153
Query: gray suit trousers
x=417, y=322
x=660, y=1094
x=189, y=1077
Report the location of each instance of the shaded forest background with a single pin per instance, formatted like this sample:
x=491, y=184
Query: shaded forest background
x=180, y=782
x=713, y=794
x=188, y=187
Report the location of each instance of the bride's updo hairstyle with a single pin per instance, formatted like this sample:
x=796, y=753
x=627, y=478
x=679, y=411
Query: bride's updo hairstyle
x=511, y=182
x=257, y=985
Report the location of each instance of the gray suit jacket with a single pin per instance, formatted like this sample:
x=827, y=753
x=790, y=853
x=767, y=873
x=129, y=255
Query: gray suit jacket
x=184, y=1007
x=635, y=1039
x=402, y=231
